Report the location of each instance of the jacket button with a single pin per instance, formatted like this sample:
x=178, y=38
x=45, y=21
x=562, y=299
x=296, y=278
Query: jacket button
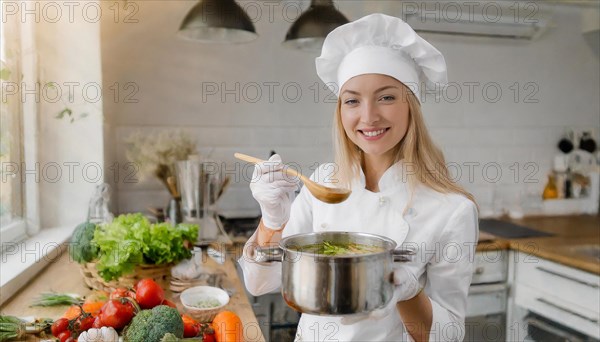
x=383, y=201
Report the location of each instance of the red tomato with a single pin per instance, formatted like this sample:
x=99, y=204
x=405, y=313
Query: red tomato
x=149, y=294
x=168, y=303
x=97, y=323
x=117, y=313
x=60, y=325
x=63, y=336
x=121, y=292
x=191, y=328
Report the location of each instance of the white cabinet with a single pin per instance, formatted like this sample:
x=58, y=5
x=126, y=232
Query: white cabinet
x=560, y=293
x=486, y=303
x=490, y=267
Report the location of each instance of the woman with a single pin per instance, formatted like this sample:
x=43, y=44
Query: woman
x=400, y=187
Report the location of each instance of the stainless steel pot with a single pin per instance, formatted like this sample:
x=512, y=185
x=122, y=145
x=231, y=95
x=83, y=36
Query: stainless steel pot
x=335, y=285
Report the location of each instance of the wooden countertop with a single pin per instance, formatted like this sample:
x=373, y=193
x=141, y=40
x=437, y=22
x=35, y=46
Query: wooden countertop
x=63, y=276
x=570, y=232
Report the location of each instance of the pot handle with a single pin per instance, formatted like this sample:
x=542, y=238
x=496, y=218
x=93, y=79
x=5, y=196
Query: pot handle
x=268, y=254
x=403, y=254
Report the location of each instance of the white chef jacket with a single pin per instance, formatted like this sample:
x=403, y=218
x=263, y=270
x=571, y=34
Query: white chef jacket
x=442, y=227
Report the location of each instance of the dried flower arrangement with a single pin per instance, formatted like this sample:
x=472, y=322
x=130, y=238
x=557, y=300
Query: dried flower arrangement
x=156, y=154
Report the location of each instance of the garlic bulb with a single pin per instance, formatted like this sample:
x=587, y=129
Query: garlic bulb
x=104, y=334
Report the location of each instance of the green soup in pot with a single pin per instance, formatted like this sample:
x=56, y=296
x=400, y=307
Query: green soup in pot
x=338, y=248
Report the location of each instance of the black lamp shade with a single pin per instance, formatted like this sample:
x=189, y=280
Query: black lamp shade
x=309, y=31
x=217, y=21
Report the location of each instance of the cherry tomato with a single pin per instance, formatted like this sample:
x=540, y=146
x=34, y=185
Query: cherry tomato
x=206, y=337
x=86, y=323
x=121, y=292
x=191, y=328
x=63, y=336
x=60, y=325
x=117, y=313
x=208, y=333
x=149, y=294
x=168, y=303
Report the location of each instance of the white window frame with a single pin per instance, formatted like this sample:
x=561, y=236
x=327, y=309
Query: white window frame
x=22, y=234
x=30, y=110
x=28, y=224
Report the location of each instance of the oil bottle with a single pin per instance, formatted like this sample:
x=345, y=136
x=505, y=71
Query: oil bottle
x=550, y=190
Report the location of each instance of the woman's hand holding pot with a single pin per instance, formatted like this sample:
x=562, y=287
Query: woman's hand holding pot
x=274, y=191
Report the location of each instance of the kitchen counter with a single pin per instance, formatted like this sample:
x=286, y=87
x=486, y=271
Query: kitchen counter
x=489, y=242
x=571, y=232
x=63, y=276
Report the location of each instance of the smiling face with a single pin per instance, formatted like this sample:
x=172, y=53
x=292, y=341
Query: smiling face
x=374, y=113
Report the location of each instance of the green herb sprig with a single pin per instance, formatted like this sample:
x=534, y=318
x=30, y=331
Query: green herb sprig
x=55, y=299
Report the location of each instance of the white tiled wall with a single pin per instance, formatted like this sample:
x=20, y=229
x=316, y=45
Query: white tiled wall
x=171, y=73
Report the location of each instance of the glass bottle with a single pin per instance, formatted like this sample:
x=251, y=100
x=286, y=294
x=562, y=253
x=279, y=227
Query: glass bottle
x=98, y=208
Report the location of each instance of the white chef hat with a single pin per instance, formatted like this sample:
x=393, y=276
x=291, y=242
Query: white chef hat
x=381, y=44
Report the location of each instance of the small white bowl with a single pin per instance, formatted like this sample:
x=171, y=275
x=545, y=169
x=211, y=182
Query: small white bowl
x=194, y=294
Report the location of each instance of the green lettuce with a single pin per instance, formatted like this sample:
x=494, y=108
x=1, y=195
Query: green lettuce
x=130, y=240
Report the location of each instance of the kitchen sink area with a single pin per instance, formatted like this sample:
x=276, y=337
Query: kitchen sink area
x=509, y=230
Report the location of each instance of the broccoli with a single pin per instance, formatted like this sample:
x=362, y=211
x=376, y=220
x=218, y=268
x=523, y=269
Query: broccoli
x=152, y=325
x=82, y=248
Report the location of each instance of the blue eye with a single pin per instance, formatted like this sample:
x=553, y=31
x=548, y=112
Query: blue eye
x=350, y=102
x=388, y=98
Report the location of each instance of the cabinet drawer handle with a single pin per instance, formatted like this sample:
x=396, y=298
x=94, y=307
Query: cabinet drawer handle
x=542, y=300
x=567, y=277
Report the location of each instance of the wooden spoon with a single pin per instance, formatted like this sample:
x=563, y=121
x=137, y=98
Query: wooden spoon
x=321, y=192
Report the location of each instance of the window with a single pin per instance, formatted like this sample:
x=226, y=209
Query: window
x=12, y=224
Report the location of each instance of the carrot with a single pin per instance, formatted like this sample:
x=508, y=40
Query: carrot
x=228, y=327
x=73, y=312
x=93, y=307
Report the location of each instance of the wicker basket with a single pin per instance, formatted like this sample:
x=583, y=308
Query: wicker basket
x=161, y=274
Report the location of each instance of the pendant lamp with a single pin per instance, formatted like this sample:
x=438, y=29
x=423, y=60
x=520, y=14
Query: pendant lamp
x=308, y=32
x=217, y=21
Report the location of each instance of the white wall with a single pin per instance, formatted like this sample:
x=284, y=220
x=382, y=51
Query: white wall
x=70, y=154
x=170, y=74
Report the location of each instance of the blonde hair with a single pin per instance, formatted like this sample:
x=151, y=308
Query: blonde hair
x=416, y=149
